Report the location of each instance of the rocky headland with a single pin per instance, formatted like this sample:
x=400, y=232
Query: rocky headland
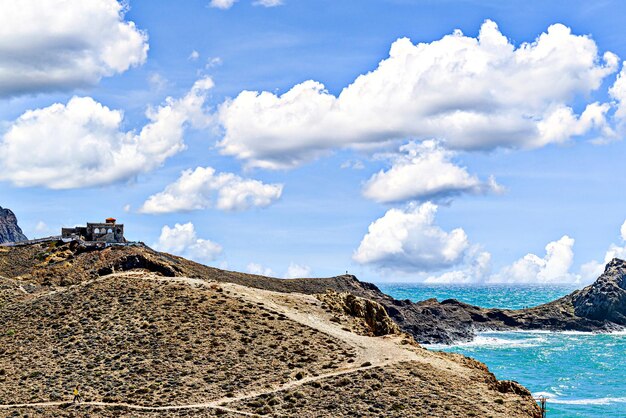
x=148, y=334
x=9, y=229
x=599, y=307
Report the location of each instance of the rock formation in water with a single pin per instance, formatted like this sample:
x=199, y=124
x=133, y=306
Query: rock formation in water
x=9, y=229
x=599, y=307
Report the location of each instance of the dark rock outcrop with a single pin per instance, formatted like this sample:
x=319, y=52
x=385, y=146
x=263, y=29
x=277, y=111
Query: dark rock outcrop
x=606, y=298
x=599, y=307
x=9, y=230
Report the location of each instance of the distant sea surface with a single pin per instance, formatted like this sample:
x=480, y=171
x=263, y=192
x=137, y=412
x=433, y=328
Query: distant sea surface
x=582, y=374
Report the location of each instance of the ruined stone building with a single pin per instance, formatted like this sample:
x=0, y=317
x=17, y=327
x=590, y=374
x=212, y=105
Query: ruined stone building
x=109, y=232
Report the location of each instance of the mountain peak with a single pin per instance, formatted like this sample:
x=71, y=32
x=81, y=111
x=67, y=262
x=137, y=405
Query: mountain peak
x=9, y=229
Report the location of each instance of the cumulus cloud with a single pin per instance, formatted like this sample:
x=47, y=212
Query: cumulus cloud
x=260, y=270
x=222, y=4
x=593, y=269
x=472, y=93
x=194, y=55
x=408, y=240
x=424, y=171
x=58, y=44
x=182, y=240
x=476, y=270
x=295, y=271
x=618, y=93
x=470, y=264
x=268, y=3
x=553, y=267
x=82, y=144
x=199, y=188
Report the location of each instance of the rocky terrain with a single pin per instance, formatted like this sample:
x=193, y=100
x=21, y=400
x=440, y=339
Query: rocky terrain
x=599, y=307
x=148, y=334
x=9, y=229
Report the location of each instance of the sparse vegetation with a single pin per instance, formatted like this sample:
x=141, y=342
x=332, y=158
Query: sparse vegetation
x=156, y=338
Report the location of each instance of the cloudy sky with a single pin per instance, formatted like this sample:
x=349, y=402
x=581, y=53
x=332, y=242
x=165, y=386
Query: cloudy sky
x=401, y=140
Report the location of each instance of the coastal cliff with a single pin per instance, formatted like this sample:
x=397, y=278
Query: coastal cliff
x=599, y=307
x=9, y=229
x=149, y=334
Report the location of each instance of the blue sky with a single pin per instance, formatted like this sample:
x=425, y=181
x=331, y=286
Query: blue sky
x=294, y=198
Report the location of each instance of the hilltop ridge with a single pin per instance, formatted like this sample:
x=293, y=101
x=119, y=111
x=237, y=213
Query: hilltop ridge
x=598, y=307
x=155, y=335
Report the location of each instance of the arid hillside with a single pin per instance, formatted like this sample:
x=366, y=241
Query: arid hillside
x=146, y=334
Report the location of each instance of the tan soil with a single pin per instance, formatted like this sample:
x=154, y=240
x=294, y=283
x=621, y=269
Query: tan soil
x=144, y=345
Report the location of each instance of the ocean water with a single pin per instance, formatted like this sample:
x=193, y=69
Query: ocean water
x=582, y=374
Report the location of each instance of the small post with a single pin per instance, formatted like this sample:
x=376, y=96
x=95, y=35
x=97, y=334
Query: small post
x=542, y=405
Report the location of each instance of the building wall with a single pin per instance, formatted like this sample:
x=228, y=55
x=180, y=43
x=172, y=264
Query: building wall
x=103, y=232
x=98, y=232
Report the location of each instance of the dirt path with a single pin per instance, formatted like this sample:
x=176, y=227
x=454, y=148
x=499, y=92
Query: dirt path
x=216, y=404
x=128, y=406
x=305, y=309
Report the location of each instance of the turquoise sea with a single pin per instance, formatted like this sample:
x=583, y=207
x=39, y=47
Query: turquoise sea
x=582, y=374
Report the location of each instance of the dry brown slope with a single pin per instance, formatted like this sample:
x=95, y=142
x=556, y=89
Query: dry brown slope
x=149, y=340
x=170, y=341
x=125, y=338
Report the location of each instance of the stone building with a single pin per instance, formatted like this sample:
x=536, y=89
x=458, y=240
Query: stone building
x=109, y=232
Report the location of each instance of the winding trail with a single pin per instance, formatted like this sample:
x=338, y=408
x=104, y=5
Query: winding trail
x=218, y=404
x=307, y=310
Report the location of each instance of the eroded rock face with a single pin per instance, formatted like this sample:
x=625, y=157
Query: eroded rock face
x=374, y=316
x=605, y=299
x=599, y=307
x=9, y=229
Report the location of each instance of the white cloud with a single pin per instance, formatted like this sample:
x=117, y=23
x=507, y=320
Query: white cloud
x=593, y=269
x=553, y=267
x=182, y=240
x=82, y=144
x=213, y=62
x=618, y=92
x=295, y=271
x=408, y=240
x=424, y=171
x=58, y=44
x=268, y=3
x=471, y=93
x=476, y=270
x=157, y=81
x=475, y=266
x=195, y=189
x=355, y=165
x=258, y=269
x=194, y=55
x=222, y=4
